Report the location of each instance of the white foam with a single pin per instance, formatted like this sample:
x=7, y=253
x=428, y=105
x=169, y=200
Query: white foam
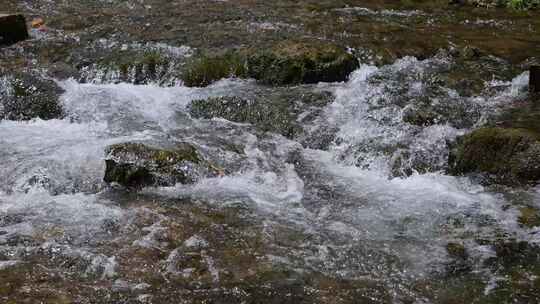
x=77, y=215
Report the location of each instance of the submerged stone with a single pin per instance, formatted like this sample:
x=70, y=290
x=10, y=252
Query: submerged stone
x=272, y=117
x=276, y=112
x=12, y=29
x=24, y=96
x=507, y=156
x=136, y=165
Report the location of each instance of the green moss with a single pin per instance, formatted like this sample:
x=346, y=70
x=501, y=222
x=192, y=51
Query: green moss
x=457, y=251
x=529, y=217
x=204, y=70
x=523, y=4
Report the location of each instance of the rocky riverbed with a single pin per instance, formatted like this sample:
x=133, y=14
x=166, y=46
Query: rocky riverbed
x=270, y=152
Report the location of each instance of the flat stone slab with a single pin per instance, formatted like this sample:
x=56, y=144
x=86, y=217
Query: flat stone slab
x=12, y=29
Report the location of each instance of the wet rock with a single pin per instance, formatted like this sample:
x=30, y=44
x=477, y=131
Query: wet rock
x=470, y=53
x=455, y=112
x=136, y=165
x=459, y=264
x=515, y=253
x=420, y=116
x=271, y=117
x=231, y=108
x=507, y=156
x=292, y=62
x=406, y=163
x=12, y=29
x=471, y=68
x=25, y=96
x=63, y=71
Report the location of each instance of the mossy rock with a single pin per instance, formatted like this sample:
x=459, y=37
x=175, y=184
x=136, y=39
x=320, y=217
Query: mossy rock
x=25, y=96
x=288, y=63
x=529, y=217
x=294, y=63
x=506, y=156
x=136, y=165
x=457, y=251
x=206, y=69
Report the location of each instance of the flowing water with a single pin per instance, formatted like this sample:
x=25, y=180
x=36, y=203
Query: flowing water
x=367, y=192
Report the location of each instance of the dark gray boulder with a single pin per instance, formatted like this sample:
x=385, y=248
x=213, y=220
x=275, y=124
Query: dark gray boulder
x=12, y=29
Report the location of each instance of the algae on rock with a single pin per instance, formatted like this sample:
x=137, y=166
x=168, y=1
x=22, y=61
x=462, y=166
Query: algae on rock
x=205, y=70
x=136, y=165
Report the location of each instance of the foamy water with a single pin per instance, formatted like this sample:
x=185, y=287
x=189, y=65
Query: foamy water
x=346, y=195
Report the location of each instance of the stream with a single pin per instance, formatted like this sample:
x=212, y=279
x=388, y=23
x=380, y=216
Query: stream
x=357, y=221
x=357, y=207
